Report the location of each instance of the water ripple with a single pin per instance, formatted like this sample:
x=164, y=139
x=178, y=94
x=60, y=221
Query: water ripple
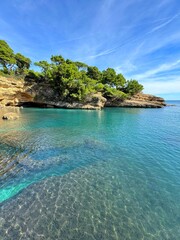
x=111, y=174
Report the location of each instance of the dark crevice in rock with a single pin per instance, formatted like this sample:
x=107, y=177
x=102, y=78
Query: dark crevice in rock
x=36, y=105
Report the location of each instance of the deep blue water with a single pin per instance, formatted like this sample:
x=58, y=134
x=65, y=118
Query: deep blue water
x=76, y=174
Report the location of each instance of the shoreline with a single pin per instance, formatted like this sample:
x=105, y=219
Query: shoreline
x=18, y=93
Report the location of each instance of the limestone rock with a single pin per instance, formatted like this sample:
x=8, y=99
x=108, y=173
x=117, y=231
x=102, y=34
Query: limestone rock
x=15, y=92
x=96, y=100
x=92, y=102
x=140, y=100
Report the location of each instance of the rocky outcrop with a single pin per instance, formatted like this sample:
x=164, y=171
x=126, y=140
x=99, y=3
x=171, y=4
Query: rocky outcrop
x=12, y=92
x=92, y=102
x=96, y=100
x=15, y=92
x=140, y=100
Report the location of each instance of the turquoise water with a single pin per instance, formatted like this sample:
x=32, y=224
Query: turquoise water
x=76, y=174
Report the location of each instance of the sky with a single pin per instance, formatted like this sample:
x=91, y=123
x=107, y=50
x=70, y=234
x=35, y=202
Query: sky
x=138, y=38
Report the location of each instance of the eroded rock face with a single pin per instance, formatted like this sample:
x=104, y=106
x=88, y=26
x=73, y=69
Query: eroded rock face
x=96, y=100
x=140, y=100
x=15, y=92
x=92, y=102
x=12, y=92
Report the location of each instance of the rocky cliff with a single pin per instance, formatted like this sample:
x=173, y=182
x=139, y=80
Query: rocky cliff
x=12, y=91
x=15, y=92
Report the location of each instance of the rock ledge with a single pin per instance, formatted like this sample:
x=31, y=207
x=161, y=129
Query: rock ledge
x=140, y=100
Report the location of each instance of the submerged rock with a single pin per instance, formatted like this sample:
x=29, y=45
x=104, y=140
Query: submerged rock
x=10, y=116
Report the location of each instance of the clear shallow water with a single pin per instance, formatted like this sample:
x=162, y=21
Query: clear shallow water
x=73, y=174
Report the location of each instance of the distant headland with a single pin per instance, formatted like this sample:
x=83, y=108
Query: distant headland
x=63, y=83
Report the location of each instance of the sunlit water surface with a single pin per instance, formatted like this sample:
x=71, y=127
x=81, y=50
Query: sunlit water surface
x=74, y=174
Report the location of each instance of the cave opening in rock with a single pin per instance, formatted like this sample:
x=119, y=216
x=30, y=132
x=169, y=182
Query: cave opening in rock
x=36, y=105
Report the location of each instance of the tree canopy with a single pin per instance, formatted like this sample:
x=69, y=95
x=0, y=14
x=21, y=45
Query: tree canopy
x=133, y=87
x=7, y=58
x=10, y=61
x=72, y=80
x=22, y=62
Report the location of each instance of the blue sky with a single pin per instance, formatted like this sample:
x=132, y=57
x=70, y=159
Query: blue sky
x=140, y=38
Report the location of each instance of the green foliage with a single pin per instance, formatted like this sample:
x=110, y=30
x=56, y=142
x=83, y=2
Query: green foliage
x=57, y=59
x=44, y=65
x=99, y=87
x=22, y=62
x=119, y=81
x=32, y=75
x=46, y=70
x=81, y=66
x=7, y=59
x=73, y=81
x=3, y=74
x=15, y=64
x=65, y=78
x=68, y=61
x=114, y=93
x=113, y=80
x=109, y=77
x=133, y=87
x=94, y=73
x=72, y=84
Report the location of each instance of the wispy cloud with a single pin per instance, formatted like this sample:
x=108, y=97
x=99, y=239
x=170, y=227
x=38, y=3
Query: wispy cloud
x=163, y=24
x=162, y=68
x=159, y=87
x=100, y=54
x=126, y=67
x=8, y=33
x=140, y=38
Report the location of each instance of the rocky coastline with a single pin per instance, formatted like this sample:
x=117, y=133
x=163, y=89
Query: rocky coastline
x=17, y=93
x=140, y=100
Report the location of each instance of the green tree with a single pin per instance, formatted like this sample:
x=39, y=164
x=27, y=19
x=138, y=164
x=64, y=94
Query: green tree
x=46, y=70
x=33, y=76
x=133, y=87
x=109, y=77
x=94, y=73
x=81, y=66
x=119, y=81
x=7, y=59
x=22, y=62
x=68, y=61
x=65, y=78
x=114, y=93
x=44, y=65
x=57, y=60
x=112, y=79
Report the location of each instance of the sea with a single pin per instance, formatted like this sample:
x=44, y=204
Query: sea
x=82, y=174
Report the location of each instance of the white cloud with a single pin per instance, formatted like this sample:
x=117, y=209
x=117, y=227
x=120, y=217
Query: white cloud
x=159, y=87
x=163, y=24
x=159, y=69
x=126, y=67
